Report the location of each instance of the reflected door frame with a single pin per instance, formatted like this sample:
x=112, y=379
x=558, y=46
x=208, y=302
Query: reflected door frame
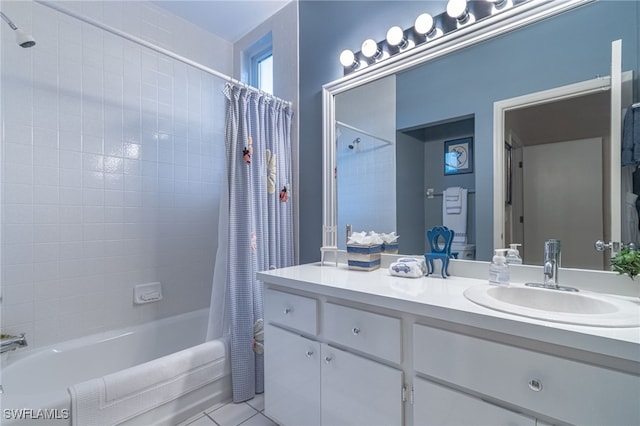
x=618, y=98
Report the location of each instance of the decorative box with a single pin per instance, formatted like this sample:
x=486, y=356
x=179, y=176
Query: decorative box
x=391, y=248
x=363, y=257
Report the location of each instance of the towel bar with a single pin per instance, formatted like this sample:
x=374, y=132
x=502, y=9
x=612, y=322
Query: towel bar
x=439, y=194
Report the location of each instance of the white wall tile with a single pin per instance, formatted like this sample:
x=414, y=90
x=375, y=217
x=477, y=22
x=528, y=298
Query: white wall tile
x=43, y=175
x=69, y=215
x=16, y=254
x=45, y=214
x=45, y=156
x=70, y=159
x=71, y=231
x=102, y=162
x=18, y=154
x=70, y=178
x=18, y=193
x=18, y=174
x=45, y=252
x=70, y=250
x=45, y=194
x=46, y=233
x=45, y=271
x=14, y=314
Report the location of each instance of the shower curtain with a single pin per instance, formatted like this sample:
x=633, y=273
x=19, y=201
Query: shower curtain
x=255, y=226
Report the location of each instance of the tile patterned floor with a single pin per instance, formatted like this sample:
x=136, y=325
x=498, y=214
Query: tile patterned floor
x=248, y=413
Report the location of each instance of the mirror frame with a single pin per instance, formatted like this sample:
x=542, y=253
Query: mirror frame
x=488, y=28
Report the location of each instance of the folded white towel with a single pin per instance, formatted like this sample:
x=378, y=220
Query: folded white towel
x=454, y=214
x=408, y=267
x=453, y=197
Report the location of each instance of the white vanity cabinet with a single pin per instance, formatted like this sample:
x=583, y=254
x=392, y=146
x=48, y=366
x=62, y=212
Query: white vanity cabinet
x=345, y=348
x=310, y=382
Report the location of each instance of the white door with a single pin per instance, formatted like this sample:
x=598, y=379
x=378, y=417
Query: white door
x=438, y=405
x=357, y=391
x=292, y=378
x=563, y=199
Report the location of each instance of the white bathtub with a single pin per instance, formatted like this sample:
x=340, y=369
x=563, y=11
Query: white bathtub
x=39, y=379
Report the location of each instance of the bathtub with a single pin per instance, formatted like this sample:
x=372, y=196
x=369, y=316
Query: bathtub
x=38, y=379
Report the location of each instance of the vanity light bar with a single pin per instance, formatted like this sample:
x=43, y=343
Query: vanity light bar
x=459, y=13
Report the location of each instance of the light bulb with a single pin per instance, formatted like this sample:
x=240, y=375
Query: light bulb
x=424, y=24
x=499, y=5
x=458, y=9
x=395, y=37
x=348, y=59
x=370, y=48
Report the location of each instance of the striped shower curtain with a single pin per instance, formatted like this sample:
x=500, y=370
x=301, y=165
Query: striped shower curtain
x=260, y=221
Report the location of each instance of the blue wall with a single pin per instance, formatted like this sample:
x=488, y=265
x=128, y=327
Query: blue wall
x=571, y=47
x=326, y=28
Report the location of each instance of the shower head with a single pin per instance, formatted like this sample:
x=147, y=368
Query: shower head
x=22, y=38
x=352, y=144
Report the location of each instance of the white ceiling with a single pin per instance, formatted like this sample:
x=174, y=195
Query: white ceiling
x=576, y=118
x=229, y=19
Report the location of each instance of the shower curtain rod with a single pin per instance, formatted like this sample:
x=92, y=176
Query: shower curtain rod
x=155, y=48
x=349, y=126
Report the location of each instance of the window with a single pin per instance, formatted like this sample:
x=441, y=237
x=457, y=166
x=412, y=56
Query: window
x=263, y=71
x=258, y=64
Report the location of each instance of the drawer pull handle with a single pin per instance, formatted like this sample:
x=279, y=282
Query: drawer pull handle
x=355, y=331
x=309, y=353
x=287, y=311
x=535, y=385
x=327, y=359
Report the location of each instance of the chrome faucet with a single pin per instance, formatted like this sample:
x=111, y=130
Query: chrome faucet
x=550, y=267
x=551, y=262
x=13, y=343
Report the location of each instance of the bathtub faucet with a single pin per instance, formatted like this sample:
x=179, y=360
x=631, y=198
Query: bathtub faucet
x=12, y=343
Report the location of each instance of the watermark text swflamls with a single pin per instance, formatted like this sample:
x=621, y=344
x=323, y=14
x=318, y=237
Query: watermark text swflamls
x=35, y=414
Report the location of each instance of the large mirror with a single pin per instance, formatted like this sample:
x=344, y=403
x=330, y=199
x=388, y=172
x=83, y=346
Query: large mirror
x=388, y=131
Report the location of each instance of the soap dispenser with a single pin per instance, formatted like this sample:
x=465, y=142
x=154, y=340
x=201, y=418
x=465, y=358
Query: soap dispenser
x=513, y=255
x=499, y=268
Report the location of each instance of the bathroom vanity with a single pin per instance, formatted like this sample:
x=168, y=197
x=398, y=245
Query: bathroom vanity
x=366, y=348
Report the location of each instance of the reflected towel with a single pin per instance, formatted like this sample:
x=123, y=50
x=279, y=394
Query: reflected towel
x=631, y=137
x=456, y=219
x=452, y=198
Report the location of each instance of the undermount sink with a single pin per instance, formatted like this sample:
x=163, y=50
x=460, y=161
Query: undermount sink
x=583, y=308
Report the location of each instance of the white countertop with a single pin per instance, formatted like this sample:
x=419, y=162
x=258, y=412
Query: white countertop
x=443, y=299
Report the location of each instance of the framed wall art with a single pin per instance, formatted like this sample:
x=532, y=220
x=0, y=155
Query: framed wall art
x=458, y=156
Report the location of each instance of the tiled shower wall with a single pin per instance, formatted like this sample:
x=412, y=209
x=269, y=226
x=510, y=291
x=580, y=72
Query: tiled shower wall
x=112, y=157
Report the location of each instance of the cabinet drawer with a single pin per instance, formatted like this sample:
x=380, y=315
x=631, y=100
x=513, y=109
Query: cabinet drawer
x=375, y=334
x=438, y=405
x=291, y=310
x=566, y=390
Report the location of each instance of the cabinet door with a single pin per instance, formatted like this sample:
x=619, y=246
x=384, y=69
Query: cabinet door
x=438, y=405
x=358, y=391
x=292, y=378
